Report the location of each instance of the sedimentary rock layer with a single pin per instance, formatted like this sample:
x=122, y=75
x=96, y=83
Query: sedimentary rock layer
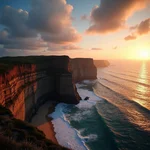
x=26, y=82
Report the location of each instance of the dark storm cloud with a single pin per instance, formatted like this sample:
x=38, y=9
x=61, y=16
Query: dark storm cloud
x=111, y=15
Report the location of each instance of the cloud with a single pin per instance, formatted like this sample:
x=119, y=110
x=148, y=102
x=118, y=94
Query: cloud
x=115, y=47
x=15, y=22
x=54, y=22
x=67, y=36
x=140, y=29
x=143, y=27
x=2, y=52
x=130, y=37
x=71, y=47
x=84, y=17
x=58, y=47
x=111, y=15
x=96, y=49
x=48, y=21
x=50, y=15
x=20, y=43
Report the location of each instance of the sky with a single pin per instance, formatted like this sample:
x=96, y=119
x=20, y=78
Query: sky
x=99, y=29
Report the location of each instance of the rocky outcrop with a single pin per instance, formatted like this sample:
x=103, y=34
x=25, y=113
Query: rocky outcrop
x=83, y=69
x=101, y=63
x=27, y=82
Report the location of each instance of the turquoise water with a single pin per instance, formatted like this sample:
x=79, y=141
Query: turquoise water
x=117, y=114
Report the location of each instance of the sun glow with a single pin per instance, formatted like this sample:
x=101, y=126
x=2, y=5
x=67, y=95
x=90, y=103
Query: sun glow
x=144, y=54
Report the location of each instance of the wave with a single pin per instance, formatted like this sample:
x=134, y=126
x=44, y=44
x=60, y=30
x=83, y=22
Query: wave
x=124, y=74
x=115, y=83
x=104, y=122
x=137, y=115
x=122, y=130
x=125, y=88
x=65, y=134
x=123, y=99
x=96, y=134
x=140, y=83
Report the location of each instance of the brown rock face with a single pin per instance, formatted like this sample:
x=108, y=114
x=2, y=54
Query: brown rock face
x=83, y=69
x=101, y=63
x=27, y=82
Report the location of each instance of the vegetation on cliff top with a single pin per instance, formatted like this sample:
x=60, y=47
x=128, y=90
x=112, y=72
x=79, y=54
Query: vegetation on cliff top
x=7, y=63
x=19, y=135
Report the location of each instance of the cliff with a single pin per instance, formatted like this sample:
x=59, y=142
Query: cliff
x=83, y=69
x=27, y=82
x=101, y=63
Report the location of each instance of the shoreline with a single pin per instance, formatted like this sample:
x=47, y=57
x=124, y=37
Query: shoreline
x=43, y=122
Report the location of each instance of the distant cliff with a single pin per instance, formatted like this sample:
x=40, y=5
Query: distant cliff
x=101, y=63
x=83, y=69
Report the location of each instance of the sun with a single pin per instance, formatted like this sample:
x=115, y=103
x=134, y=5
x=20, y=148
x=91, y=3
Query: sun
x=144, y=54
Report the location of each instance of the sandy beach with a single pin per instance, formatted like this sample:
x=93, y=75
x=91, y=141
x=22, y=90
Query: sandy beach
x=43, y=123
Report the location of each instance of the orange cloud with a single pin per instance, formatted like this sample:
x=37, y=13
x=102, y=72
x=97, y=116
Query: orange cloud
x=96, y=49
x=111, y=16
x=130, y=37
x=139, y=29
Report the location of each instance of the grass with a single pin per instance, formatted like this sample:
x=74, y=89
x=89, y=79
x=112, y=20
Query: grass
x=19, y=135
x=7, y=63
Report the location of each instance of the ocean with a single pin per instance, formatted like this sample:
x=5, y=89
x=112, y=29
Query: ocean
x=117, y=114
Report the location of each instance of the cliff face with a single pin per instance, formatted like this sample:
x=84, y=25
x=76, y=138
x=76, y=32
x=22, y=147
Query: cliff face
x=83, y=69
x=27, y=82
x=101, y=63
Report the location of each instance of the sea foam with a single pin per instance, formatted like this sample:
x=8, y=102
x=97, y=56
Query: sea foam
x=66, y=135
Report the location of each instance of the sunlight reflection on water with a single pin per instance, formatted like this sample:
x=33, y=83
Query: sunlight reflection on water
x=143, y=90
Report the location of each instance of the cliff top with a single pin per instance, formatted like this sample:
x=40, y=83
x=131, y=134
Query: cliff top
x=30, y=59
x=41, y=62
x=16, y=134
